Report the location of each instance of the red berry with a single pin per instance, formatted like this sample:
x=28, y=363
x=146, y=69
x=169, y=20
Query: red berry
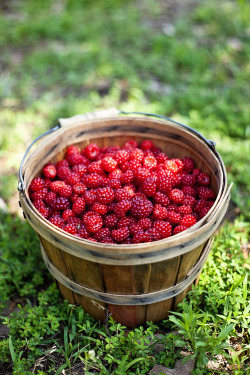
x=50, y=197
x=141, y=207
x=189, y=201
x=126, y=221
x=92, y=180
x=40, y=194
x=79, y=206
x=141, y=174
x=173, y=217
x=92, y=151
x=159, y=212
x=203, y=212
x=105, y=195
x=101, y=209
x=147, y=144
x=188, y=220
x=79, y=188
x=95, y=167
x=57, y=221
x=63, y=172
x=60, y=203
x=161, y=199
x=103, y=232
x=37, y=184
x=122, y=207
x=174, y=165
x=111, y=221
x=49, y=171
x=164, y=228
x=203, y=179
x=114, y=183
x=121, y=156
x=81, y=169
x=189, y=190
x=179, y=228
x=205, y=193
x=201, y=203
x=120, y=234
x=134, y=228
x=70, y=228
x=149, y=187
x=83, y=232
x=94, y=223
x=176, y=196
x=137, y=154
x=149, y=162
x=188, y=180
x=188, y=164
x=109, y=164
x=67, y=213
x=145, y=223
x=184, y=210
x=164, y=184
x=73, y=178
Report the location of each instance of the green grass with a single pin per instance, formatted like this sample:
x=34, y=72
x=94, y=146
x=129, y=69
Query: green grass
x=189, y=61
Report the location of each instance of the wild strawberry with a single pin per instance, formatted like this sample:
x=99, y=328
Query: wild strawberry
x=184, y=210
x=203, y=179
x=101, y=209
x=70, y=228
x=161, y=199
x=141, y=207
x=145, y=223
x=188, y=221
x=40, y=194
x=49, y=171
x=110, y=221
x=79, y=206
x=109, y=164
x=188, y=164
x=176, y=196
x=121, y=156
x=189, y=190
x=94, y=223
x=205, y=193
x=164, y=228
x=121, y=208
x=173, y=217
x=105, y=195
x=159, y=212
x=36, y=184
x=188, y=180
x=149, y=187
x=147, y=144
x=179, y=229
x=92, y=151
x=120, y=234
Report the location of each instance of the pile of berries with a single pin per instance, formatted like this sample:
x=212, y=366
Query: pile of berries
x=122, y=195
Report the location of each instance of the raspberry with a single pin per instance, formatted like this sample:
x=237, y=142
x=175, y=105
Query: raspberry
x=205, y=193
x=62, y=172
x=94, y=223
x=203, y=179
x=209, y=204
x=126, y=221
x=49, y=171
x=137, y=154
x=184, y=210
x=179, y=228
x=176, y=196
x=95, y=167
x=164, y=228
x=109, y=164
x=147, y=144
x=79, y=188
x=121, y=208
x=92, y=180
x=145, y=223
x=36, y=184
x=40, y=194
x=105, y=195
x=164, y=183
x=149, y=162
x=130, y=188
x=114, y=183
x=133, y=165
x=173, y=217
x=161, y=199
x=203, y=212
x=121, y=194
x=149, y=187
x=60, y=203
x=141, y=207
x=74, y=220
x=111, y=221
x=61, y=188
x=57, y=221
x=121, y=156
x=161, y=158
x=141, y=237
x=81, y=169
x=70, y=228
x=120, y=234
x=159, y=212
x=188, y=180
x=201, y=203
x=134, y=228
x=189, y=201
x=154, y=234
x=67, y=213
x=174, y=165
x=127, y=177
x=172, y=207
x=188, y=164
x=73, y=178
x=188, y=220
x=141, y=174
x=62, y=163
x=189, y=190
x=75, y=159
x=40, y=206
x=101, y=209
x=83, y=232
x=107, y=239
x=130, y=145
x=50, y=197
x=92, y=151
x=72, y=150
x=79, y=206
x=103, y=232
x=176, y=180
x=196, y=171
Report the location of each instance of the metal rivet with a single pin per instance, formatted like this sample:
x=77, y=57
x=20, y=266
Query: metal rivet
x=24, y=215
x=19, y=204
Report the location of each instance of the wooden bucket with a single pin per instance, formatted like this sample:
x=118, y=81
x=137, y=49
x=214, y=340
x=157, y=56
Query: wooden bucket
x=133, y=283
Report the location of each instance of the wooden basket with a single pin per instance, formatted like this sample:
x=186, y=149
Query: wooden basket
x=133, y=283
